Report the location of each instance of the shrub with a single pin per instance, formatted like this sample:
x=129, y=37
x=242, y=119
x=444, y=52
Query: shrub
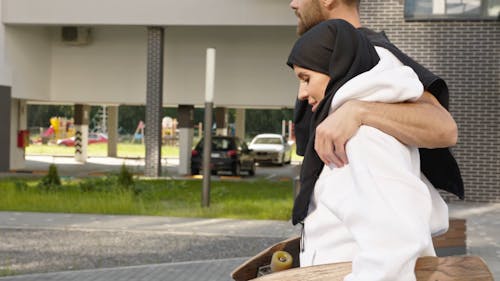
x=20, y=185
x=125, y=178
x=50, y=181
x=123, y=181
x=107, y=184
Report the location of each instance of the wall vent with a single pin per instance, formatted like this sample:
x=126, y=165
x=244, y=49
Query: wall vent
x=75, y=35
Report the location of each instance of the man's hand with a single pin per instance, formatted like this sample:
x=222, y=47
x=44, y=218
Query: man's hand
x=423, y=123
x=333, y=133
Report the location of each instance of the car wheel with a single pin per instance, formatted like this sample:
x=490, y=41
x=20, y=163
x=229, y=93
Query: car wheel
x=236, y=169
x=251, y=172
x=282, y=162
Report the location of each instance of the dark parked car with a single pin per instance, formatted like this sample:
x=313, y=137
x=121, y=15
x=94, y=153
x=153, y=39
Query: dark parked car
x=228, y=154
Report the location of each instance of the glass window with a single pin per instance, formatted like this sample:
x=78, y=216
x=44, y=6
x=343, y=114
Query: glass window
x=452, y=9
x=222, y=144
x=493, y=9
x=218, y=144
x=268, y=141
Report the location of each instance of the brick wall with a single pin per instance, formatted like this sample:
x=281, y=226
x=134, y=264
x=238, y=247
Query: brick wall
x=467, y=55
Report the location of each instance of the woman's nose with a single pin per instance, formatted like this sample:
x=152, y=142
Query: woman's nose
x=302, y=93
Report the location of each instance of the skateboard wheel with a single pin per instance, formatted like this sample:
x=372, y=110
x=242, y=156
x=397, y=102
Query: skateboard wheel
x=281, y=260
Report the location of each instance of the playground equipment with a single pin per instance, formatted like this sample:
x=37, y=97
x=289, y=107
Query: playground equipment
x=139, y=133
x=169, y=130
x=60, y=128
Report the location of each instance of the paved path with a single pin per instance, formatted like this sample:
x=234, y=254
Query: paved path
x=218, y=269
x=187, y=226
x=483, y=239
x=483, y=231
x=97, y=166
x=68, y=166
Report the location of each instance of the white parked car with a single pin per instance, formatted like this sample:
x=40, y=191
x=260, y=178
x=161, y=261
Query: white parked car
x=271, y=148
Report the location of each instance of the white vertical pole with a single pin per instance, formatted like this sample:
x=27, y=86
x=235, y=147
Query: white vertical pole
x=210, y=76
x=207, y=144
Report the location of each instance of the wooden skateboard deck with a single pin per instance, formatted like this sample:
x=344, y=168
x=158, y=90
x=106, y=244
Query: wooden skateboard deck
x=453, y=268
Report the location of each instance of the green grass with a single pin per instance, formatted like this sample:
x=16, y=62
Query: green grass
x=180, y=198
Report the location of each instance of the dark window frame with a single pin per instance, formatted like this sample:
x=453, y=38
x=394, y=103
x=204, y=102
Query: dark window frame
x=483, y=16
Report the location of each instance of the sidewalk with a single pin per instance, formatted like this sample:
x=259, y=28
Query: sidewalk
x=210, y=270
x=483, y=239
x=217, y=270
x=170, y=225
x=483, y=231
x=69, y=167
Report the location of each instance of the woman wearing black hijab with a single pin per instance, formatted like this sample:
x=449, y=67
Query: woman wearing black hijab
x=377, y=211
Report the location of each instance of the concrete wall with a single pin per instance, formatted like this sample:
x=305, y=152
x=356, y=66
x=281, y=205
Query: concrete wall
x=29, y=52
x=149, y=12
x=111, y=69
x=467, y=55
x=5, y=75
x=250, y=66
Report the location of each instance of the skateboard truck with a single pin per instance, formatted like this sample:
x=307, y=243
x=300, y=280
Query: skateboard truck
x=281, y=260
x=264, y=270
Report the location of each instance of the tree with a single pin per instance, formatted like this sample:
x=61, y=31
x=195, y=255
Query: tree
x=258, y=121
x=39, y=114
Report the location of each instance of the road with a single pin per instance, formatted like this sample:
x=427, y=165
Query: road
x=47, y=242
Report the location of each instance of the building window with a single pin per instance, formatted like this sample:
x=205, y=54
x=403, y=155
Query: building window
x=452, y=9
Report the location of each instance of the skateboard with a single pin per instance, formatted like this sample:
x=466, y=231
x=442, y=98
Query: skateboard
x=452, y=268
x=250, y=269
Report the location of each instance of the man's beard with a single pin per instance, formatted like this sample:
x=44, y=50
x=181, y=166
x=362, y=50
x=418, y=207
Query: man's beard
x=309, y=17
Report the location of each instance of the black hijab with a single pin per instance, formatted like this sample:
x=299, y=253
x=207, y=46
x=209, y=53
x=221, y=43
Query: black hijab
x=336, y=48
